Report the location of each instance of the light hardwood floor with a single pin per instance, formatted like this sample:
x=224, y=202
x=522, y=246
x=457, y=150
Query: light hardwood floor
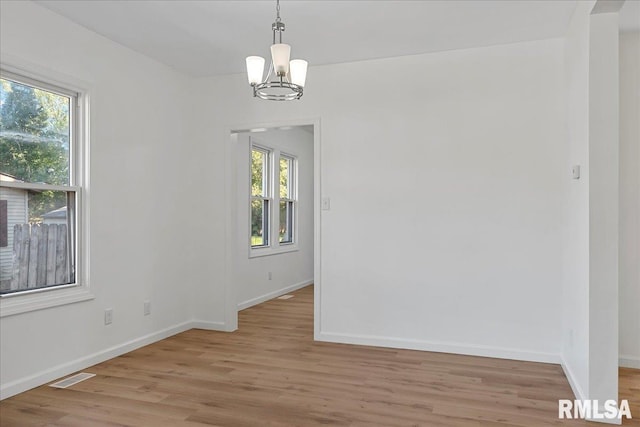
x=271, y=373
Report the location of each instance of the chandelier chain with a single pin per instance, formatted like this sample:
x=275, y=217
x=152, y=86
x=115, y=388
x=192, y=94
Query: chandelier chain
x=278, y=11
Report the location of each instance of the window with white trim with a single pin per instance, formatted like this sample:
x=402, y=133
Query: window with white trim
x=260, y=196
x=273, y=200
x=286, y=204
x=40, y=182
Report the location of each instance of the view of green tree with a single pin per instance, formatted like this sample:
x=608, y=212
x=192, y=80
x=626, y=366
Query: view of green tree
x=284, y=232
x=284, y=177
x=21, y=110
x=259, y=188
x=259, y=161
x=34, y=141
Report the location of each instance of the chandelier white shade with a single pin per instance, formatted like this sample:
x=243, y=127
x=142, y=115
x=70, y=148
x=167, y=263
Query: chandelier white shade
x=280, y=54
x=298, y=71
x=255, y=68
x=285, y=79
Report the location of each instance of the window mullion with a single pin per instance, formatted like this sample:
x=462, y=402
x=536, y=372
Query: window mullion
x=267, y=221
x=275, y=221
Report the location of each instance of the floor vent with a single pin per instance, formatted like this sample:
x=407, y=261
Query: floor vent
x=286, y=296
x=75, y=379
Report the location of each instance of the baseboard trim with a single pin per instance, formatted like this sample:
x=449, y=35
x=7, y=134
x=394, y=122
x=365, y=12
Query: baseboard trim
x=209, y=326
x=439, y=347
x=262, y=298
x=43, y=377
x=573, y=382
x=580, y=395
x=628, y=361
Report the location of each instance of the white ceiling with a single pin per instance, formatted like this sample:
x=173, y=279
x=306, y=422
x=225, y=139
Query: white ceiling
x=204, y=38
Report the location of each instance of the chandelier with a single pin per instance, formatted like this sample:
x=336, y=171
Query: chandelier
x=285, y=79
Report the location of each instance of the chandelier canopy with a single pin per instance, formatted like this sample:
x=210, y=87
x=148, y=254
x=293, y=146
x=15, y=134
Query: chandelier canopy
x=285, y=79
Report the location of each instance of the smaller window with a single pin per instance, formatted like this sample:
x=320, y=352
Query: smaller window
x=287, y=199
x=260, y=197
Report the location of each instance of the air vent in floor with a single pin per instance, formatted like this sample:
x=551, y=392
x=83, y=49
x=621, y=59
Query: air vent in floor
x=75, y=379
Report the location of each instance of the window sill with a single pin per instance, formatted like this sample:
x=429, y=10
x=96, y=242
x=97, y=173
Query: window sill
x=260, y=252
x=23, y=303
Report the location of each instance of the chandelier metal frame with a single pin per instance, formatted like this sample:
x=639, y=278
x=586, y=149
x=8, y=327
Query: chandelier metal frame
x=275, y=83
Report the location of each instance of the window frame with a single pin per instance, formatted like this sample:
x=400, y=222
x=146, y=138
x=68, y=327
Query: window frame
x=266, y=197
x=273, y=185
x=292, y=199
x=51, y=296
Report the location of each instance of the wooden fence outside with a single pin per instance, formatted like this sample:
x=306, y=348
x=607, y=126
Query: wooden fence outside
x=40, y=256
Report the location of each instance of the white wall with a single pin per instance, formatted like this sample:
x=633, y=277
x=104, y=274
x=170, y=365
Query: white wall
x=603, y=206
x=575, y=242
x=590, y=225
x=140, y=214
x=444, y=228
x=290, y=270
x=630, y=199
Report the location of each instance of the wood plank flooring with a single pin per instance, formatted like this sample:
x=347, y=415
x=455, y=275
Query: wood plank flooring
x=271, y=373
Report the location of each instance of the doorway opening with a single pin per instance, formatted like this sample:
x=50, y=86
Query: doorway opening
x=273, y=214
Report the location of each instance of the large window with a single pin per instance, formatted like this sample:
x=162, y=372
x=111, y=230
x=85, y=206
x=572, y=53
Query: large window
x=273, y=199
x=39, y=185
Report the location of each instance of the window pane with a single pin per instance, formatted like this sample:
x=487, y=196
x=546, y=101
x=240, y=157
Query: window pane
x=40, y=249
x=35, y=129
x=285, y=178
x=258, y=172
x=259, y=222
x=286, y=221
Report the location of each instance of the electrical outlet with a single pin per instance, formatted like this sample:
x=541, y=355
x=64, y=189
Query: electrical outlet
x=147, y=307
x=108, y=316
x=269, y=275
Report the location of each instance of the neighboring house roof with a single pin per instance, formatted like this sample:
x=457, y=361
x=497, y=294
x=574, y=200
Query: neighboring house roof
x=56, y=213
x=8, y=178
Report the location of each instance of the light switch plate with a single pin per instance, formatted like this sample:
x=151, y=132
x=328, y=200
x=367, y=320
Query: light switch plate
x=326, y=203
x=575, y=171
